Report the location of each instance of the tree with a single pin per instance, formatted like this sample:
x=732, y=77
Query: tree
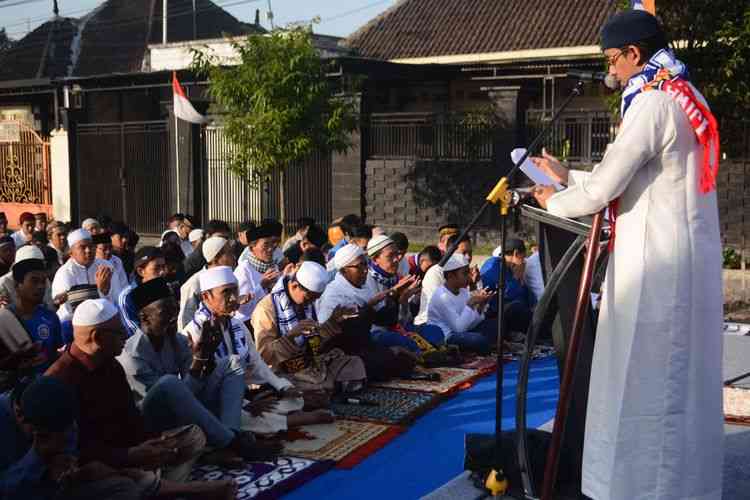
x=5, y=42
x=279, y=105
x=713, y=38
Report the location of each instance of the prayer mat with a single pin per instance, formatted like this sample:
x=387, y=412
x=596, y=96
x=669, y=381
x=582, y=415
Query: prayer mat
x=347, y=442
x=737, y=405
x=393, y=407
x=265, y=480
x=451, y=380
x=483, y=364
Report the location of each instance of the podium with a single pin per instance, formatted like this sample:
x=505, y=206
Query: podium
x=562, y=246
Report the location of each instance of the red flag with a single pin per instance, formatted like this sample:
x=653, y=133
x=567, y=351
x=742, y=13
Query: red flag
x=183, y=109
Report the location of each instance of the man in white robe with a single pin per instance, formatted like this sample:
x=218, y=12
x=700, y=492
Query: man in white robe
x=654, y=423
x=82, y=268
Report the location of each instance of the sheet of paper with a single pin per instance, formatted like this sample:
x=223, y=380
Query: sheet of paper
x=532, y=171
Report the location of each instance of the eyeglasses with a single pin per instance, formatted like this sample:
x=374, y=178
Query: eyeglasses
x=611, y=61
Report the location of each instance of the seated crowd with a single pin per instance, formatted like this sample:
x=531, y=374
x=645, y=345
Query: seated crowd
x=122, y=365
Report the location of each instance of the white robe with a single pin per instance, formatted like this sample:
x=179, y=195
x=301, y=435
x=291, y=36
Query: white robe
x=654, y=428
x=433, y=279
x=70, y=274
x=249, y=281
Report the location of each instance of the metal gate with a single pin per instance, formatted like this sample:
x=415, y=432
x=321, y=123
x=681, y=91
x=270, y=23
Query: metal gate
x=124, y=172
x=308, y=188
x=25, y=180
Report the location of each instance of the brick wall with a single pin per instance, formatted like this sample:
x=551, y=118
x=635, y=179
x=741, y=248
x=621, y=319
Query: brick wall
x=417, y=196
x=734, y=204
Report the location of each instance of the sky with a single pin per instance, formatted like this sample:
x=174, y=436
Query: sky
x=338, y=17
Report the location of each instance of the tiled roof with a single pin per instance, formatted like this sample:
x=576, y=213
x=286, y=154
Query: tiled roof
x=50, y=41
x=427, y=28
x=112, y=38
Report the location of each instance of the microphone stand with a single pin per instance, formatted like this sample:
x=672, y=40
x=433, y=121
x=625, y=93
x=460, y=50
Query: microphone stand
x=507, y=199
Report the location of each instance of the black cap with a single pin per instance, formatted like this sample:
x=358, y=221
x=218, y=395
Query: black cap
x=316, y=235
x=102, y=238
x=80, y=293
x=145, y=254
x=514, y=245
x=150, y=291
x=26, y=266
x=629, y=27
x=269, y=228
x=49, y=404
x=119, y=228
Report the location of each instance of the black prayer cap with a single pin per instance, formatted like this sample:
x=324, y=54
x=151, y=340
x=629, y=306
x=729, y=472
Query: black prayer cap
x=629, y=27
x=24, y=267
x=316, y=235
x=102, y=238
x=514, y=245
x=150, y=291
x=119, y=228
x=145, y=254
x=267, y=229
x=49, y=404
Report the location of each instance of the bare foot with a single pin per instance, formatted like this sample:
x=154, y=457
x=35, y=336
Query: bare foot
x=310, y=418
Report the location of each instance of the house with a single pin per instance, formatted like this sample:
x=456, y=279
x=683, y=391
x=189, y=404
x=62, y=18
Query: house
x=498, y=70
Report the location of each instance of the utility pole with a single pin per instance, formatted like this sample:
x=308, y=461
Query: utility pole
x=164, y=21
x=55, y=10
x=270, y=15
x=195, y=23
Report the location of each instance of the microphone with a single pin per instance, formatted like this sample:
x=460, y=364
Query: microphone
x=608, y=80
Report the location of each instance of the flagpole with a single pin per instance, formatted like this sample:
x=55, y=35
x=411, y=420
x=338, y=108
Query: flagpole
x=177, y=158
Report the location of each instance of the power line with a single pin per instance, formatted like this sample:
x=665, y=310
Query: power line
x=12, y=3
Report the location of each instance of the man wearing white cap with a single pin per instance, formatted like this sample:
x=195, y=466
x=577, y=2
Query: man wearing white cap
x=457, y=315
x=434, y=279
x=291, y=339
x=219, y=302
x=111, y=430
x=82, y=268
x=92, y=225
x=218, y=252
x=195, y=238
x=348, y=290
x=383, y=277
x=8, y=284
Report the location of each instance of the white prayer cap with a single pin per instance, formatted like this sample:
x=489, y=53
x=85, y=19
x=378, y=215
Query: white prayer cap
x=377, y=243
x=212, y=247
x=498, y=251
x=27, y=252
x=346, y=255
x=457, y=261
x=78, y=235
x=94, y=312
x=89, y=223
x=195, y=235
x=216, y=277
x=312, y=276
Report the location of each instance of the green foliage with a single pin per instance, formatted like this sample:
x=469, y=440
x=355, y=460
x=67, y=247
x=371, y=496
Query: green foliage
x=5, y=42
x=279, y=105
x=732, y=258
x=479, y=126
x=713, y=38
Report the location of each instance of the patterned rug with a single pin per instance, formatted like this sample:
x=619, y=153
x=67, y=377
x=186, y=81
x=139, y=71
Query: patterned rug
x=737, y=405
x=483, y=364
x=451, y=380
x=265, y=480
x=347, y=442
x=394, y=406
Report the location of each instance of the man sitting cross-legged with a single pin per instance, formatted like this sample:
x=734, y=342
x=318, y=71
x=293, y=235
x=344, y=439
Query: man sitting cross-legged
x=179, y=384
x=219, y=301
x=111, y=429
x=38, y=457
x=291, y=339
x=348, y=290
x=456, y=314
